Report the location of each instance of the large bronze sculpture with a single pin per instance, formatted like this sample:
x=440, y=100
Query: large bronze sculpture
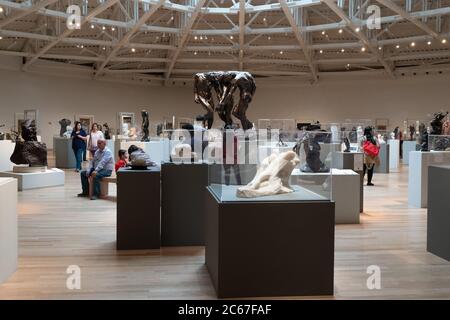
x=437, y=122
x=145, y=124
x=225, y=84
x=29, y=151
x=311, y=147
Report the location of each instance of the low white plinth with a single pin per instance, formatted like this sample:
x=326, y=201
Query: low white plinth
x=49, y=178
x=345, y=192
x=418, y=174
x=408, y=146
x=6, y=150
x=394, y=154
x=8, y=228
x=158, y=150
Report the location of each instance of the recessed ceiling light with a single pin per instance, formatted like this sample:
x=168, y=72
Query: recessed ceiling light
x=82, y=46
x=92, y=26
x=413, y=44
x=103, y=28
x=348, y=65
x=264, y=19
x=342, y=50
x=231, y=37
x=268, y=38
x=281, y=52
x=206, y=38
x=397, y=46
x=444, y=41
x=321, y=51
x=380, y=48
x=357, y=29
x=195, y=38
x=78, y=25
x=104, y=48
x=323, y=33
x=340, y=31
x=1, y=38
x=133, y=50
x=113, y=29
x=201, y=38
x=363, y=49
x=1, y=9
x=429, y=43
x=195, y=53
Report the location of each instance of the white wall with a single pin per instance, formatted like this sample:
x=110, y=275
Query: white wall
x=327, y=101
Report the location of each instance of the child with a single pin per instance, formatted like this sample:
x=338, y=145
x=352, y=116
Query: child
x=123, y=156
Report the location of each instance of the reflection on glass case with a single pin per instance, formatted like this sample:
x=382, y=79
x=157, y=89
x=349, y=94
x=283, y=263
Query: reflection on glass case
x=281, y=124
x=438, y=143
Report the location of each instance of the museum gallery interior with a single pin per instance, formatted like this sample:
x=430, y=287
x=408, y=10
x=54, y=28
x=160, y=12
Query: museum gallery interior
x=214, y=149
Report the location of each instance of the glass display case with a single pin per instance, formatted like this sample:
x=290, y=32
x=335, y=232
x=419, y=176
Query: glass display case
x=301, y=173
x=438, y=143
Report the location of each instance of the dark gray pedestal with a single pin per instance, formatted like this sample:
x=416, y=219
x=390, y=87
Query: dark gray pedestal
x=182, y=204
x=64, y=156
x=138, y=209
x=256, y=249
x=438, y=225
x=353, y=161
x=384, y=159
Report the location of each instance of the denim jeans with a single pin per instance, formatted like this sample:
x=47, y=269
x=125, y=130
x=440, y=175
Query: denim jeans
x=78, y=157
x=85, y=182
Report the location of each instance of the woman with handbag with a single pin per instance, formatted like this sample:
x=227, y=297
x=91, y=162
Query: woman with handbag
x=371, y=148
x=94, y=136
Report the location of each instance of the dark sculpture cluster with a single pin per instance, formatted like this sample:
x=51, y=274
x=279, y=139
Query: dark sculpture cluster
x=145, y=124
x=106, y=131
x=437, y=122
x=224, y=84
x=312, y=149
x=29, y=151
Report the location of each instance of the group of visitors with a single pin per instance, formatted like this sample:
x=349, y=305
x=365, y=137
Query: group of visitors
x=81, y=142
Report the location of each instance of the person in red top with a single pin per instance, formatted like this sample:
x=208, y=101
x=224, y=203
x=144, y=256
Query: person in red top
x=123, y=160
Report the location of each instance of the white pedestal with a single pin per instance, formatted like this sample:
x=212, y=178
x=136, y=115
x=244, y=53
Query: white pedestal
x=394, y=154
x=408, y=146
x=158, y=150
x=8, y=228
x=6, y=150
x=49, y=178
x=345, y=192
x=418, y=174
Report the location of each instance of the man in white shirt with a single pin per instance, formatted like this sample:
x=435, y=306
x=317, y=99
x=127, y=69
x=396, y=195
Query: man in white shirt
x=102, y=165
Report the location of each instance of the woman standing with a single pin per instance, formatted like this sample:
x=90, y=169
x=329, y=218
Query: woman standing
x=94, y=136
x=79, y=138
x=370, y=146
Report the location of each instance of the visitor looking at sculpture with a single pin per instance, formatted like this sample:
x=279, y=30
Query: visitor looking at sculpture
x=371, y=147
x=102, y=165
x=123, y=160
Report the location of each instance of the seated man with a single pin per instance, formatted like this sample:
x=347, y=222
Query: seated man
x=102, y=165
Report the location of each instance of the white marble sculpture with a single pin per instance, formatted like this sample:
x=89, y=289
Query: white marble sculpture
x=272, y=176
x=68, y=132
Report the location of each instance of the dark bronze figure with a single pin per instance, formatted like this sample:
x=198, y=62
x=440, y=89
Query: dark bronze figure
x=145, y=124
x=225, y=84
x=29, y=151
x=106, y=131
x=437, y=122
x=312, y=149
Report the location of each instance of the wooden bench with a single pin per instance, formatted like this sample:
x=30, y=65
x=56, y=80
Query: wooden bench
x=104, y=186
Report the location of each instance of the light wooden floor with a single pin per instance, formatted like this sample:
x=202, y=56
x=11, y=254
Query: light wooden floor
x=57, y=229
